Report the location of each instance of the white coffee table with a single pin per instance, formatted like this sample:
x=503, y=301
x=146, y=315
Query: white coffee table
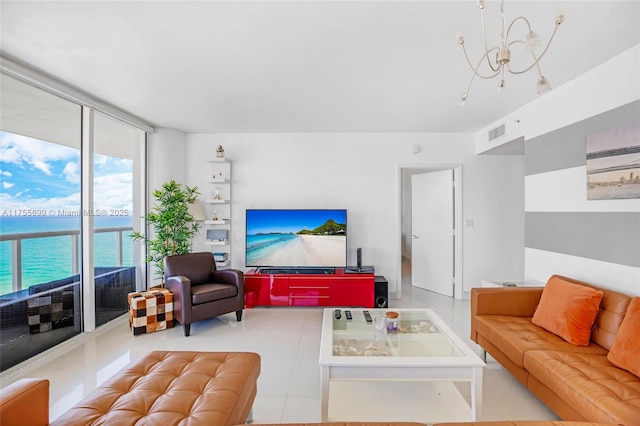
x=424, y=350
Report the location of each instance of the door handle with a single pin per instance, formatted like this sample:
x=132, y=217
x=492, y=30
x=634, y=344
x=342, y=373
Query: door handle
x=414, y=237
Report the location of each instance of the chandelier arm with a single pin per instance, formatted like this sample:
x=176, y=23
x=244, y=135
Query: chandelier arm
x=476, y=73
x=485, y=77
x=486, y=47
x=555, y=29
x=536, y=59
x=524, y=70
x=502, y=22
x=475, y=69
x=466, y=92
x=489, y=77
x=514, y=21
x=466, y=56
x=536, y=62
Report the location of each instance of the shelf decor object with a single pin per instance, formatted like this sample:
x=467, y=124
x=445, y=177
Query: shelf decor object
x=502, y=52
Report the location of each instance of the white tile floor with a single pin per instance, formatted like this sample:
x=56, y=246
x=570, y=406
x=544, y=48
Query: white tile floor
x=288, y=341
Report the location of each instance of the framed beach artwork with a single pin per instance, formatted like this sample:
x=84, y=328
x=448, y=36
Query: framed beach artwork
x=613, y=163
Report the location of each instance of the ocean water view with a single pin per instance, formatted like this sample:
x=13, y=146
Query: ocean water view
x=261, y=245
x=47, y=259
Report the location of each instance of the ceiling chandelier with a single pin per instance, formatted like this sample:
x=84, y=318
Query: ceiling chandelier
x=503, y=52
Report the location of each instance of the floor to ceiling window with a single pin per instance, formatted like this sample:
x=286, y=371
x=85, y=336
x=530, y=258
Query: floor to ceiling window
x=44, y=263
x=40, y=140
x=117, y=148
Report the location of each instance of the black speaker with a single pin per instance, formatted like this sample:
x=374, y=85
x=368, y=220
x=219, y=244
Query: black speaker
x=359, y=259
x=381, y=292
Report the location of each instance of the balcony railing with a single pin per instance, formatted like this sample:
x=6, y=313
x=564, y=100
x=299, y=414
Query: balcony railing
x=46, y=314
x=74, y=235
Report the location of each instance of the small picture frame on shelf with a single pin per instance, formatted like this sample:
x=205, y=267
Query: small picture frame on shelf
x=217, y=234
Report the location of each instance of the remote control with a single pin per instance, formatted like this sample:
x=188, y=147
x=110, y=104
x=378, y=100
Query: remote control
x=367, y=316
x=337, y=314
x=348, y=315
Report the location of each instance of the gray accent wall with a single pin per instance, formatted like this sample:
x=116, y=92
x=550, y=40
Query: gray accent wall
x=566, y=147
x=610, y=237
x=611, y=234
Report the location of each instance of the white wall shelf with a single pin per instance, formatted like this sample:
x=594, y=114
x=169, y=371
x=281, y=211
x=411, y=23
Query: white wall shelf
x=216, y=243
x=218, y=205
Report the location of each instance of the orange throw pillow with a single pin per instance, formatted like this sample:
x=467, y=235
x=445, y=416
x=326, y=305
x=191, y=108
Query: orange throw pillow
x=568, y=310
x=626, y=347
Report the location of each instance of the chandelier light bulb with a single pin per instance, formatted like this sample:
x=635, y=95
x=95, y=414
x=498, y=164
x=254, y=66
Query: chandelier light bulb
x=480, y=4
x=460, y=37
x=532, y=41
x=463, y=100
x=543, y=85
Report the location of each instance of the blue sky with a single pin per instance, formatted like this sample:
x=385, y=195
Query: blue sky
x=264, y=221
x=42, y=175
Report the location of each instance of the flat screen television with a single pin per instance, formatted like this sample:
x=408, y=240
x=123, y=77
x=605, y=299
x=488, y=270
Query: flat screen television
x=290, y=238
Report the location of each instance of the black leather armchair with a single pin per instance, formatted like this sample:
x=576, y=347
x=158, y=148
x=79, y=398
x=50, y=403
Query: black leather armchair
x=200, y=291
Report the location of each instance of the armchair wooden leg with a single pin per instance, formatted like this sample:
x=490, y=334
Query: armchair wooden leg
x=239, y=315
x=187, y=330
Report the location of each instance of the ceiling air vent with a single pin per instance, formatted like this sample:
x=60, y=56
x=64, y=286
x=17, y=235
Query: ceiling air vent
x=496, y=133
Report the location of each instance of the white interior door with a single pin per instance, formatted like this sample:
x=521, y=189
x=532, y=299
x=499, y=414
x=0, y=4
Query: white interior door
x=432, y=226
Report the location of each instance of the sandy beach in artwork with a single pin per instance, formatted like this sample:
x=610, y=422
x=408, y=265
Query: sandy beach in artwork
x=317, y=250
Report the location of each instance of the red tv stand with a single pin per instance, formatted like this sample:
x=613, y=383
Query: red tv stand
x=337, y=289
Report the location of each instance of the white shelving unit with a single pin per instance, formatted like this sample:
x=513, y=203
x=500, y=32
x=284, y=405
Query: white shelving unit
x=218, y=207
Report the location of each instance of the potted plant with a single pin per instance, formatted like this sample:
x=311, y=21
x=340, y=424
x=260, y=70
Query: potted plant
x=173, y=224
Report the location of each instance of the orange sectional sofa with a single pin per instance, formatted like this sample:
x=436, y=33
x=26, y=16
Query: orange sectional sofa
x=597, y=380
x=496, y=423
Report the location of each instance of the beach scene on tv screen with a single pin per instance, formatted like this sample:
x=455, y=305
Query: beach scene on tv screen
x=296, y=238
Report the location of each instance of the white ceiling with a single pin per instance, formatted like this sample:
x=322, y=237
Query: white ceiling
x=302, y=66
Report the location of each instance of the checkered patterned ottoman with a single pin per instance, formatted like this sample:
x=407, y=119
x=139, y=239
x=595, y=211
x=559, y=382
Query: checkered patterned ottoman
x=150, y=310
x=53, y=310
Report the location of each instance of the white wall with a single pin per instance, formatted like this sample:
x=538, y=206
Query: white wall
x=359, y=172
x=166, y=160
x=493, y=245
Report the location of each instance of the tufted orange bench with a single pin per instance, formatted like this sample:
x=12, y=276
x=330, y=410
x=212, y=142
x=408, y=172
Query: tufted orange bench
x=160, y=388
